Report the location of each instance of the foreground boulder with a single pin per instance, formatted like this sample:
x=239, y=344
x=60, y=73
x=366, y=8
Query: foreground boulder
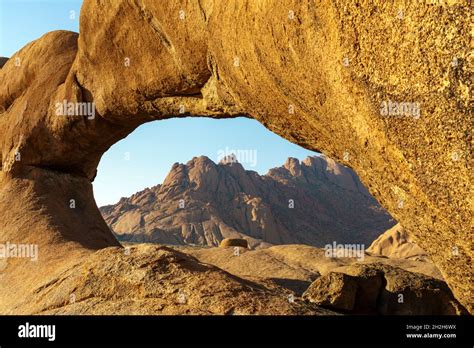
x=234, y=242
x=382, y=289
x=379, y=86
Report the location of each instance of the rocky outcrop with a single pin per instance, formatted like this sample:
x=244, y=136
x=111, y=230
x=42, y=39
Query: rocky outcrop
x=294, y=267
x=3, y=60
x=396, y=243
x=234, y=242
x=336, y=290
x=315, y=202
x=382, y=87
x=382, y=289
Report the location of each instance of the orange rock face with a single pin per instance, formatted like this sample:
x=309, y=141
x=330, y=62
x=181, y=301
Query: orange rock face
x=382, y=88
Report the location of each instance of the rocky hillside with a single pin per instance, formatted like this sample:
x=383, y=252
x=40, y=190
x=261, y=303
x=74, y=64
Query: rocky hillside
x=315, y=202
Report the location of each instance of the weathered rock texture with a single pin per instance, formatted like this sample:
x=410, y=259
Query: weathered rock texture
x=315, y=202
x=294, y=267
x=314, y=72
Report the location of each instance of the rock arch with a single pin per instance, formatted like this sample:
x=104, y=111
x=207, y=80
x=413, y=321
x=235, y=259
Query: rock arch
x=314, y=72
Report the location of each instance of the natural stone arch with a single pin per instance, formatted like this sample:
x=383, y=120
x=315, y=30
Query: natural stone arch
x=314, y=72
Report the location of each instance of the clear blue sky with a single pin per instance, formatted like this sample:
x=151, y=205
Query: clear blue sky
x=22, y=21
x=144, y=158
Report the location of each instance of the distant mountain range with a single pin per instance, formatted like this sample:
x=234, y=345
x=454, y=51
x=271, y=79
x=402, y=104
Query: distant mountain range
x=315, y=202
